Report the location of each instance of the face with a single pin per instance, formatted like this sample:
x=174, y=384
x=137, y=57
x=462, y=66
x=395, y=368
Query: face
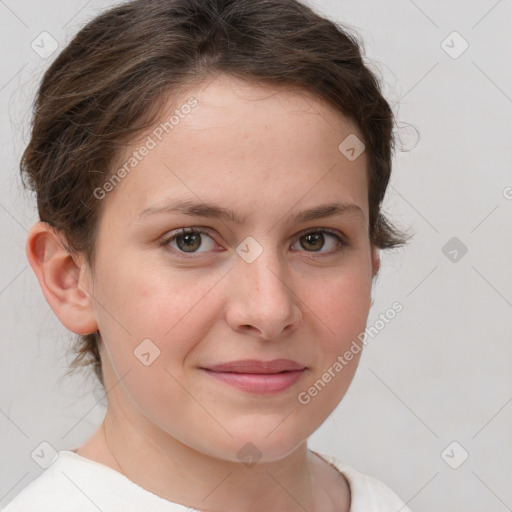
x=264, y=282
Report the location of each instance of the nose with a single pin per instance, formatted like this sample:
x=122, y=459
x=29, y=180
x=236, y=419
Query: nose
x=262, y=301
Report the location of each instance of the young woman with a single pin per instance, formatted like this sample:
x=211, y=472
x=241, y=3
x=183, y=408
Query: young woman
x=209, y=178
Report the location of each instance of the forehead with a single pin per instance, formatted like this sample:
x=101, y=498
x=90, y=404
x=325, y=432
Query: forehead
x=229, y=141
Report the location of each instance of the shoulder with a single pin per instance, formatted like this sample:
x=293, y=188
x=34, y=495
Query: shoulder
x=75, y=484
x=41, y=491
x=368, y=494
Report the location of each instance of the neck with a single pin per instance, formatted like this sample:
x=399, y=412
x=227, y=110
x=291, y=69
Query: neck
x=178, y=473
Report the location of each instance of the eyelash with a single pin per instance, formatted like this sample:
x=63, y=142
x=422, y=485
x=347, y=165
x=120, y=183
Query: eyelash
x=201, y=231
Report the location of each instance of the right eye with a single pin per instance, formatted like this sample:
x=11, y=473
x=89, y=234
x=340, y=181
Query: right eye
x=188, y=240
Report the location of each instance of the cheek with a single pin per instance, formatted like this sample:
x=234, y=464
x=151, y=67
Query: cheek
x=160, y=318
x=340, y=303
x=338, y=314
x=156, y=317
x=152, y=297
x=177, y=309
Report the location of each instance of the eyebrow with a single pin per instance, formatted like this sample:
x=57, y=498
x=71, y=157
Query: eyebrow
x=210, y=210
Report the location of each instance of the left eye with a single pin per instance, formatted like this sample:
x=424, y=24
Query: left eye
x=316, y=240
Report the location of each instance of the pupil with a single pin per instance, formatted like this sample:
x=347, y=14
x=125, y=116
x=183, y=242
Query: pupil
x=314, y=237
x=192, y=242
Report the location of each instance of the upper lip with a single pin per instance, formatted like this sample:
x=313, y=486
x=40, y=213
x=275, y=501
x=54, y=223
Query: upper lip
x=256, y=366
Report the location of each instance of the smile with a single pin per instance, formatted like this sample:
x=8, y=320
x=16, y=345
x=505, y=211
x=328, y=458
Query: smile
x=260, y=383
x=255, y=376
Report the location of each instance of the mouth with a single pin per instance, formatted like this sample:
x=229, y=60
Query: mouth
x=259, y=377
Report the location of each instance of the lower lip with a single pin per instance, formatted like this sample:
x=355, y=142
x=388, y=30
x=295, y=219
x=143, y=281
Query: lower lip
x=261, y=383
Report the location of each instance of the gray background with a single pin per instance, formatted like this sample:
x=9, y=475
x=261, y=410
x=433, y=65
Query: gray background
x=441, y=371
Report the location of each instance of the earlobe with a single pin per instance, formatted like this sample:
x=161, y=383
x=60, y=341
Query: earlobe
x=64, y=282
x=375, y=261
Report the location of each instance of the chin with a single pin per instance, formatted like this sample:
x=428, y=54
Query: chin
x=259, y=443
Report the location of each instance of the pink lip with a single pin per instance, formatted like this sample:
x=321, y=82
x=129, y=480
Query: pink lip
x=263, y=377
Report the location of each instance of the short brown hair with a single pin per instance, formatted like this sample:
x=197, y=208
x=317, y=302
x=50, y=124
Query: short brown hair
x=112, y=79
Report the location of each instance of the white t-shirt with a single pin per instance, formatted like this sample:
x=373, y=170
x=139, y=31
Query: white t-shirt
x=76, y=484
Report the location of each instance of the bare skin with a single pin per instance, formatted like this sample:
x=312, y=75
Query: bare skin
x=170, y=426
x=330, y=489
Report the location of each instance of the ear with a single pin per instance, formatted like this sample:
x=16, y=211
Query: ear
x=66, y=283
x=375, y=261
